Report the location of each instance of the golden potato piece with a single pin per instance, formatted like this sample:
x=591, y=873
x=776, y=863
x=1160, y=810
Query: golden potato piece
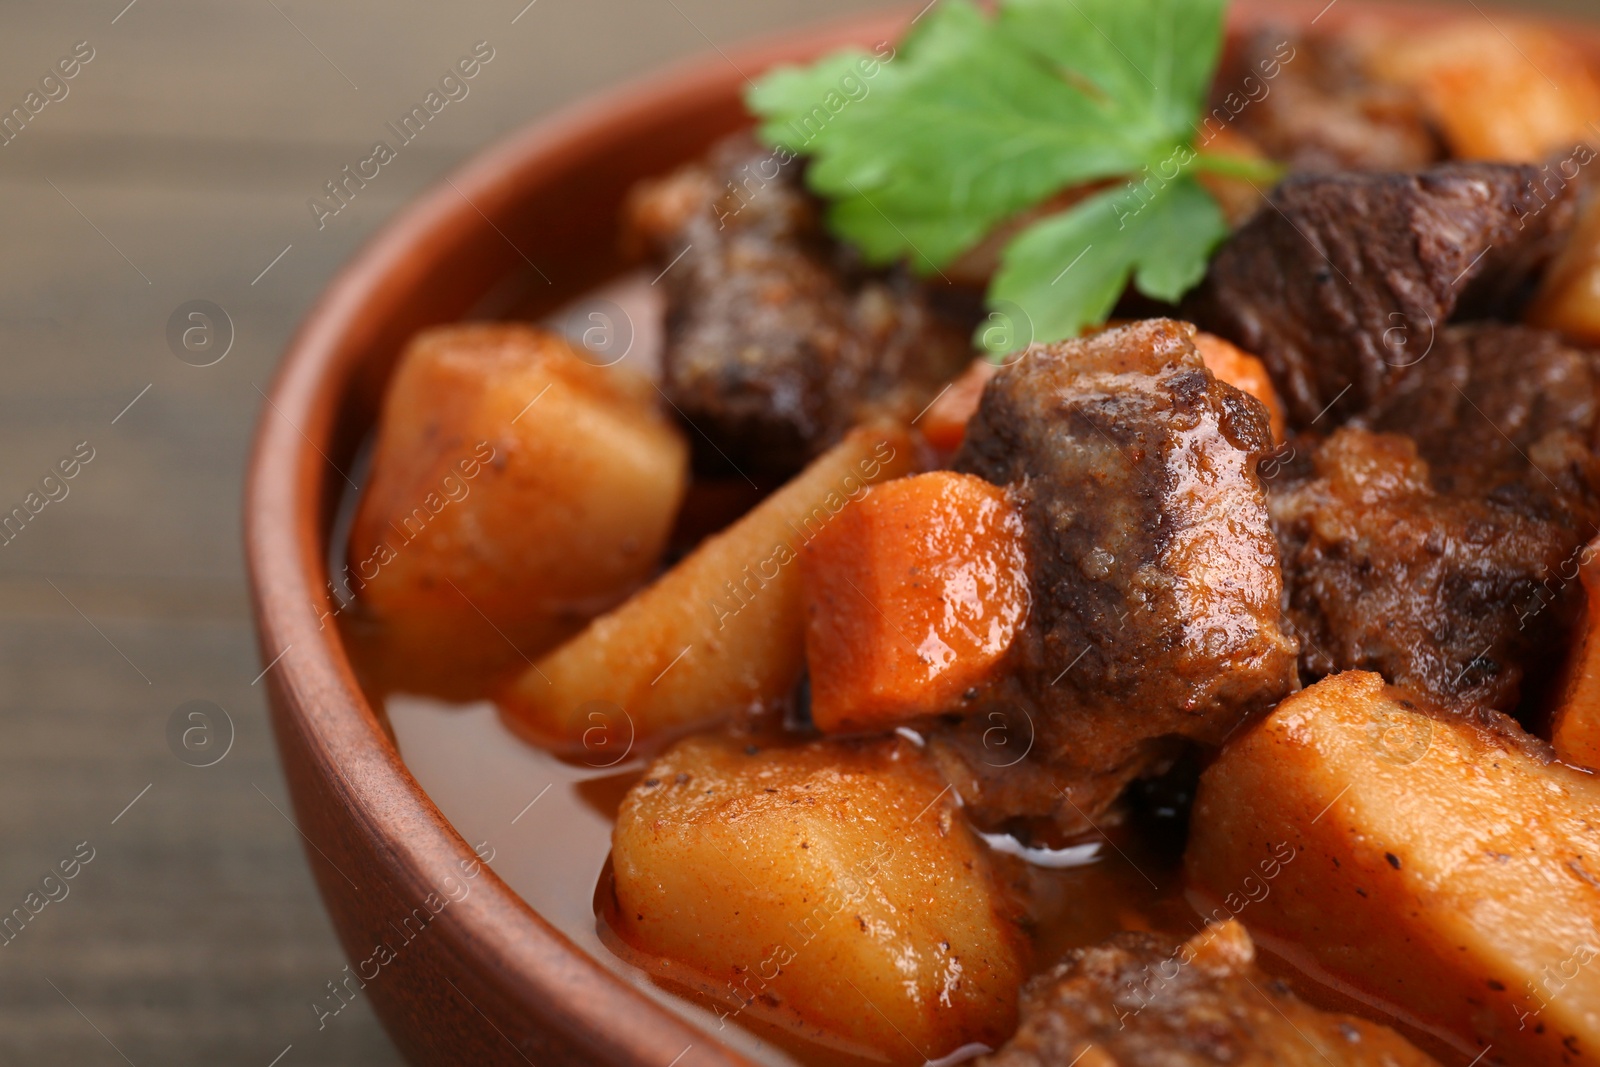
x=1569, y=297
x=1506, y=90
x=831, y=888
x=1449, y=869
x=516, y=491
x=722, y=631
x=1575, y=726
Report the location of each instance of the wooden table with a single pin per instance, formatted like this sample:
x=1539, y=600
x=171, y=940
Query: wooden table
x=176, y=168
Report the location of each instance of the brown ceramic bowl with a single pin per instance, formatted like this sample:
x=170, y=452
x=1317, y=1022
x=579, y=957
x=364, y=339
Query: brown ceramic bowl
x=492, y=982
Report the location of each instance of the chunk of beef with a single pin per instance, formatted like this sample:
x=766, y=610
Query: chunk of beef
x=1155, y=580
x=1147, y=1000
x=776, y=340
x=1456, y=596
x=1343, y=283
x=1480, y=401
x=1016, y=771
x=1308, y=101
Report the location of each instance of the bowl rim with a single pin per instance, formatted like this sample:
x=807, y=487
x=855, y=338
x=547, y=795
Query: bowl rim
x=312, y=687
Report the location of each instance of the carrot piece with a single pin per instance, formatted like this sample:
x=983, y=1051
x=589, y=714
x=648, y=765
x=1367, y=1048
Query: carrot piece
x=912, y=598
x=1575, y=730
x=944, y=426
x=1232, y=364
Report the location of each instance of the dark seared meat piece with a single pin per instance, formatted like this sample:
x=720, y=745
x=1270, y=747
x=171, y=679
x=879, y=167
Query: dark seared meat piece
x=1479, y=402
x=1455, y=596
x=1155, y=580
x=1307, y=101
x=1050, y=795
x=1345, y=281
x=1147, y=1000
x=776, y=340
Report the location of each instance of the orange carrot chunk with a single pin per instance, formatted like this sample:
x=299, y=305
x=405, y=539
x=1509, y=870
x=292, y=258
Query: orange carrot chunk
x=1229, y=363
x=944, y=425
x=912, y=597
x=1575, y=730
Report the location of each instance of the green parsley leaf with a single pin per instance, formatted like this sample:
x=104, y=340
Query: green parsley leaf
x=1153, y=60
x=963, y=129
x=1066, y=272
x=798, y=102
x=977, y=118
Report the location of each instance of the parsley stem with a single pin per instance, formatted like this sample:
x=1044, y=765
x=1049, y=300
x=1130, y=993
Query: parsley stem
x=1264, y=171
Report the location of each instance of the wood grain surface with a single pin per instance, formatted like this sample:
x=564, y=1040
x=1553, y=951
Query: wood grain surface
x=176, y=168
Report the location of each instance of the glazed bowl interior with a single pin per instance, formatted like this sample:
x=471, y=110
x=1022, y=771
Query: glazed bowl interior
x=518, y=232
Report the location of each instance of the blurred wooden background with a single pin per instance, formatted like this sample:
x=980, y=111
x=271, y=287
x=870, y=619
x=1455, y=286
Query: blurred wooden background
x=177, y=168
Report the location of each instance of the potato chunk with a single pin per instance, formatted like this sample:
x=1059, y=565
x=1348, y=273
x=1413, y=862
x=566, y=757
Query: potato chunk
x=1448, y=868
x=832, y=888
x=1575, y=728
x=1510, y=92
x=1569, y=297
x=722, y=631
x=516, y=491
x=912, y=598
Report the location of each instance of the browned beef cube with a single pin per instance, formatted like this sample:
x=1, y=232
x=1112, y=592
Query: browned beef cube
x=1347, y=279
x=1484, y=396
x=777, y=343
x=1154, y=573
x=1015, y=768
x=1147, y=1000
x=1453, y=595
x=1308, y=102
